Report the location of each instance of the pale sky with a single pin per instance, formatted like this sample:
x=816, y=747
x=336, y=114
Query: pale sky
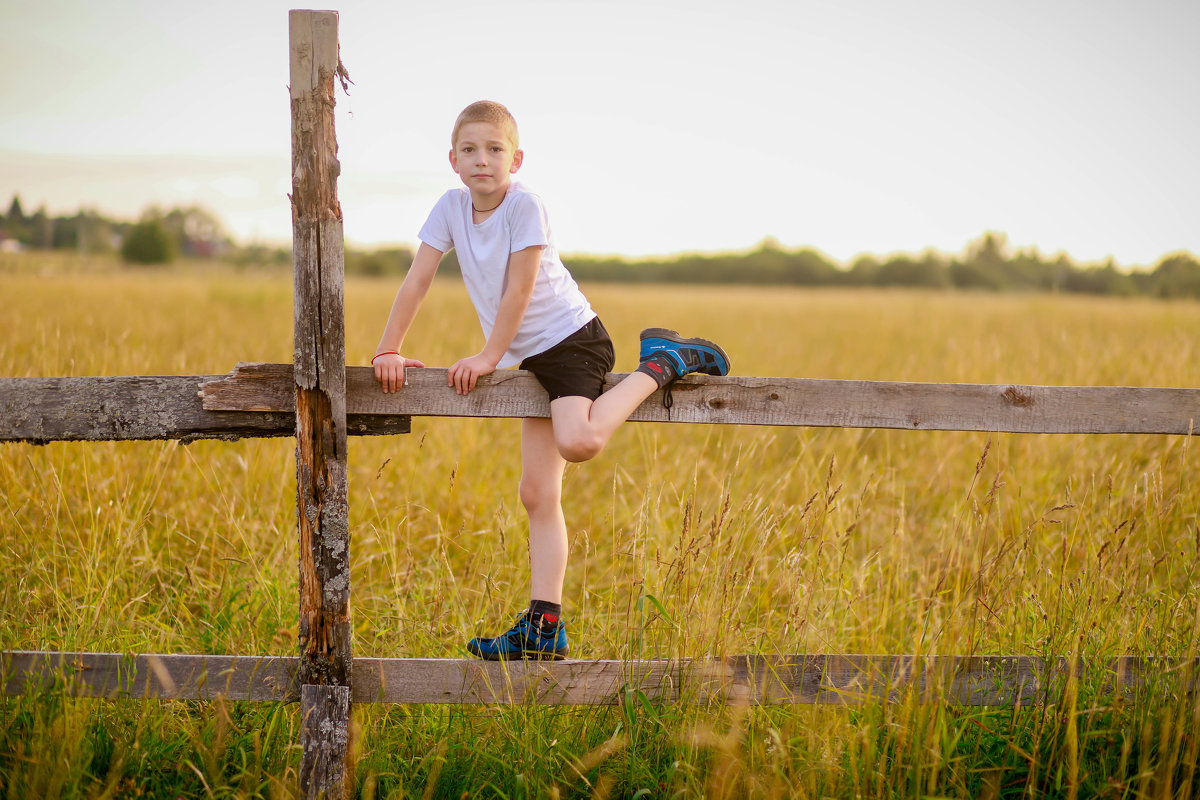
x=649, y=126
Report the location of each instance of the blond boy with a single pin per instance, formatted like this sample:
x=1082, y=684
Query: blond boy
x=532, y=314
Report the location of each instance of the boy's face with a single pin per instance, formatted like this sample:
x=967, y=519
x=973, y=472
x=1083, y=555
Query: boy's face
x=484, y=158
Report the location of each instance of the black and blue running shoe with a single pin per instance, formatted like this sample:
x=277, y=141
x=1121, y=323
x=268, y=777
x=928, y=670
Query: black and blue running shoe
x=685, y=355
x=541, y=638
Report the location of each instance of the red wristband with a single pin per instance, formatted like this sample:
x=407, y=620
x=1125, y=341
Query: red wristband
x=384, y=353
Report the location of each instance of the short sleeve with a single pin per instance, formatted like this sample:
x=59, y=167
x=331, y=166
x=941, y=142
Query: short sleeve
x=436, y=230
x=530, y=225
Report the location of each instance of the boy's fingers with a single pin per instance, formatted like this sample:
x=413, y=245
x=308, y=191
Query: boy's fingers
x=390, y=374
x=381, y=375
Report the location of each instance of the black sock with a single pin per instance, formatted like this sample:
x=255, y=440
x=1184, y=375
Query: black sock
x=660, y=368
x=543, y=610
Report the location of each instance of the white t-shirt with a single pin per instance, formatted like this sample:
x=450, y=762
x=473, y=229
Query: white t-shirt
x=557, y=307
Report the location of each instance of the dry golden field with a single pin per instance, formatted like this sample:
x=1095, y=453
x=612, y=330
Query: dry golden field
x=687, y=540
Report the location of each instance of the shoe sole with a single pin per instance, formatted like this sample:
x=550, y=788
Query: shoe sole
x=673, y=336
x=523, y=656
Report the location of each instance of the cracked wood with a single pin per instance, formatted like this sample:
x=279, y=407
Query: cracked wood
x=762, y=401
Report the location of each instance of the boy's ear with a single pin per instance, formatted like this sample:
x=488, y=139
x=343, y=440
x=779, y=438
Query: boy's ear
x=453, y=160
x=518, y=158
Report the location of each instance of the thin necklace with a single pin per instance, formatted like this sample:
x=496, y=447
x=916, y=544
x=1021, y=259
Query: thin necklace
x=486, y=210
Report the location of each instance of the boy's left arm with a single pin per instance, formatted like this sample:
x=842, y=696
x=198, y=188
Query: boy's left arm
x=522, y=275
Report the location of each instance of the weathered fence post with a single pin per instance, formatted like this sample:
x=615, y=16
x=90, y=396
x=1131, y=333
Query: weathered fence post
x=320, y=377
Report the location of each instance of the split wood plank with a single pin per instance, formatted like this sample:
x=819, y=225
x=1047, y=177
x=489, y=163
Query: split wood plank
x=322, y=493
x=143, y=407
x=820, y=679
x=760, y=401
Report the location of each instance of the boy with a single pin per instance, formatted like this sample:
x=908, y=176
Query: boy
x=533, y=314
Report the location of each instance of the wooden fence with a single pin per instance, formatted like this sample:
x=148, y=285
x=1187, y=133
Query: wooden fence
x=320, y=401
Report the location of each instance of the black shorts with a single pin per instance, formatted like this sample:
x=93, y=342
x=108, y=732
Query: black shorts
x=576, y=366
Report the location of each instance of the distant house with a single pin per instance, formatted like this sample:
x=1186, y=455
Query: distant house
x=9, y=245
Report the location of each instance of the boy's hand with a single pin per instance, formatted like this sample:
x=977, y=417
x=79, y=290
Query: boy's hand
x=389, y=370
x=466, y=371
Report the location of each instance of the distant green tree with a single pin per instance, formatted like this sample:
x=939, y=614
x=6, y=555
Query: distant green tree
x=148, y=242
x=385, y=261
x=86, y=232
x=15, y=225
x=971, y=275
x=906, y=271
x=863, y=271
x=1028, y=270
x=989, y=253
x=41, y=229
x=1106, y=279
x=67, y=232
x=810, y=267
x=1177, y=275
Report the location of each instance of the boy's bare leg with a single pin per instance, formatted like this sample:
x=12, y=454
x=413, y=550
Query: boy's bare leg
x=582, y=427
x=541, y=493
x=578, y=429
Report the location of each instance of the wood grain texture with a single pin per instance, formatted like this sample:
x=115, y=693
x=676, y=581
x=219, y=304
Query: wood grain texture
x=761, y=401
x=326, y=770
x=821, y=679
x=143, y=407
x=149, y=676
x=319, y=374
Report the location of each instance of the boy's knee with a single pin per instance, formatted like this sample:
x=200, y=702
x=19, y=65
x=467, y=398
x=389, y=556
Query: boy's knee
x=580, y=447
x=535, y=495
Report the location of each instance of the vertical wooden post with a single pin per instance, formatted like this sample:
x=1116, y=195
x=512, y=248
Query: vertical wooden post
x=320, y=369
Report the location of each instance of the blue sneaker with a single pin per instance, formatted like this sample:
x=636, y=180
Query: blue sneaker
x=541, y=639
x=684, y=355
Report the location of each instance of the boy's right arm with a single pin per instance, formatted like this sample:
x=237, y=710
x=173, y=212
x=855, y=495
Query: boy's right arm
x=389, y=364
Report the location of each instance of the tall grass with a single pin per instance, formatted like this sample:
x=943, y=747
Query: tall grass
x=687, y=540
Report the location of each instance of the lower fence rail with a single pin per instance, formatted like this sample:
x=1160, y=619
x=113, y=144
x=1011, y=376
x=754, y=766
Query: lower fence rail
x=822, y=679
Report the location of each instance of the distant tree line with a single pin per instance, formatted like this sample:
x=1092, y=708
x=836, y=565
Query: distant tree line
x=987, y=264
x=158, y=237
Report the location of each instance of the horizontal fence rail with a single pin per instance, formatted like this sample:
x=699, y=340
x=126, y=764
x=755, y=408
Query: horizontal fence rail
x=258, y=400
x=755, y=401
x=751, y=679
x=143, y=407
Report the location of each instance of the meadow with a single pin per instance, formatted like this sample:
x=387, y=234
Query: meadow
x=687, y=540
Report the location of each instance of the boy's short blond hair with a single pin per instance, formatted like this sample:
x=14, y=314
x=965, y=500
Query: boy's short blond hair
x=486, y=111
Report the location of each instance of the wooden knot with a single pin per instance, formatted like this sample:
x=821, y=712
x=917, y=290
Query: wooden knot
x=1016, y=397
